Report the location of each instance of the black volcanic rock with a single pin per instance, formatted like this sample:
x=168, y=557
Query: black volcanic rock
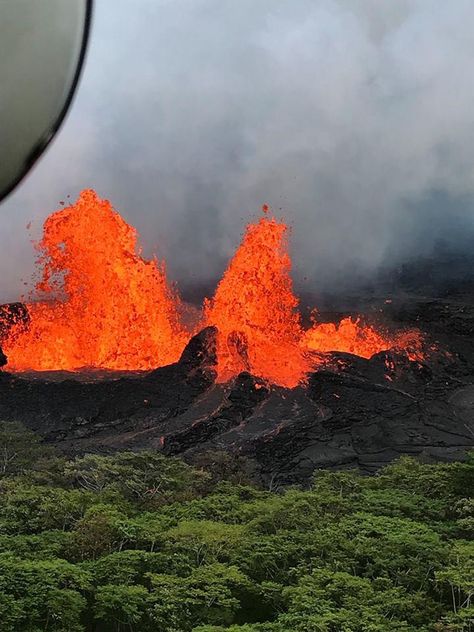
x=240, y=401
x=70, y=411
x=201, y=351
x=354, y=412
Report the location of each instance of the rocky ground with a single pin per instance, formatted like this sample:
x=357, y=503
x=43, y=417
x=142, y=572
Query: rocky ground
x=354, y=413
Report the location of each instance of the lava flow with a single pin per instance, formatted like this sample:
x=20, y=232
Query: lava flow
x=100, y=304
x=352, y=336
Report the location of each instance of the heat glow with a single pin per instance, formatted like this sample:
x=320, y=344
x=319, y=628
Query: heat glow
x=100, y=304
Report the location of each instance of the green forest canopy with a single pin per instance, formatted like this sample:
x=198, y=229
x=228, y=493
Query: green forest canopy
x=141, y=542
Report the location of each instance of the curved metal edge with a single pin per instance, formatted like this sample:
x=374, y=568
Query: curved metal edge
x=43, y=143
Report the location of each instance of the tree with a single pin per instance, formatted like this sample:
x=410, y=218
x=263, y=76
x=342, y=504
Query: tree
x=332, y=601
x=208, y=595
x=20, y=449
x=122, y=607
x=208, y=541
x=42, y=594
x=459, y=576
x=32, y=508
x=223, y=466
x=96, y=533
x=147, y=477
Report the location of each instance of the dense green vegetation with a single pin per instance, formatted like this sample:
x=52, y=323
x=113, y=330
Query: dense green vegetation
x=140, y=542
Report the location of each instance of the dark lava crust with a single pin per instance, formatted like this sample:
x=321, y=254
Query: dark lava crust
x=355, y=413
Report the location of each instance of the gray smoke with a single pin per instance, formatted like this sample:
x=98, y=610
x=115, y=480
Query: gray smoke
x=354, y=117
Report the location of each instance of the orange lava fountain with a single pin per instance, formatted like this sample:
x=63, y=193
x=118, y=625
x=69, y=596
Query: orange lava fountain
x=254, y=309
x=98, y=303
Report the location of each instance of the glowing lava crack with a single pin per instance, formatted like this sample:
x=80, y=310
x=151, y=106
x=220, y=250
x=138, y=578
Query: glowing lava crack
x=99, y=304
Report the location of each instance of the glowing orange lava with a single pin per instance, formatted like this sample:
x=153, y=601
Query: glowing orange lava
x=352, y=336
x=254, y=309
x=98, y=303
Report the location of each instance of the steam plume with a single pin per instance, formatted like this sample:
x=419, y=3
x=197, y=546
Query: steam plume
x=354, y=117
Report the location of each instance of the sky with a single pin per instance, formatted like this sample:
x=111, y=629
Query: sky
x=353, y=119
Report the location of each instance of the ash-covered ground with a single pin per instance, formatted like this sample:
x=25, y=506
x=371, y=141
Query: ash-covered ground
x=352, y=413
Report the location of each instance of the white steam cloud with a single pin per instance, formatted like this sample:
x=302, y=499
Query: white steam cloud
x=354, y=117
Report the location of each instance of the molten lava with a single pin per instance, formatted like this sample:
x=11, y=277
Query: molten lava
x=254, y=309
x=100, y=304
x=352, y=336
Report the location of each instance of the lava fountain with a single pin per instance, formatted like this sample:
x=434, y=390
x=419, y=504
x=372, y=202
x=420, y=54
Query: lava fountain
x=255, y=309
x=99, y=304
